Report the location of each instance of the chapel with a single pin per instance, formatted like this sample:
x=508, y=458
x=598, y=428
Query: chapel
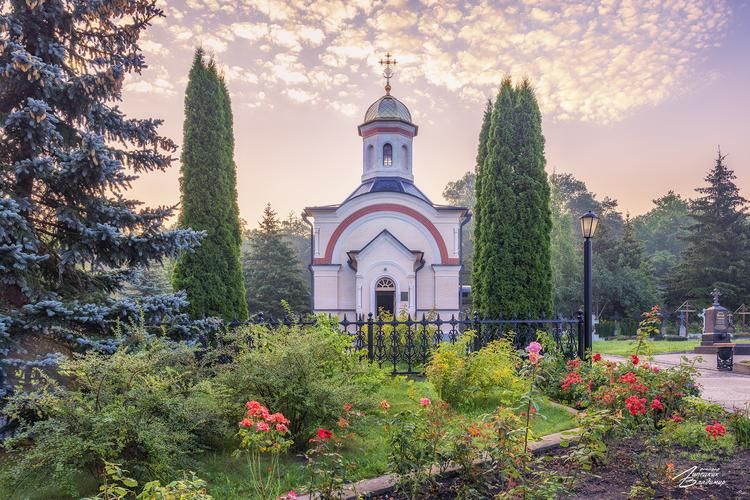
x=386, y=247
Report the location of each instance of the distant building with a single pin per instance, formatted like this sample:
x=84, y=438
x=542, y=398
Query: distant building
x=386, y=246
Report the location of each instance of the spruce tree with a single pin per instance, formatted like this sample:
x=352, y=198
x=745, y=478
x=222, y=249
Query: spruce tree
x=718, y=243
x=211, y=275
x=68, y=235
x=512, y=237
x=272, y=271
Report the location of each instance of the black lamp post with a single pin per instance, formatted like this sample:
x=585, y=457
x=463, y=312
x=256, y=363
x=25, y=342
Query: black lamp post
x=589, y=222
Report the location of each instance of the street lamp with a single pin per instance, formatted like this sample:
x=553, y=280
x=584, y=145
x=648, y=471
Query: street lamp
x=589, y=222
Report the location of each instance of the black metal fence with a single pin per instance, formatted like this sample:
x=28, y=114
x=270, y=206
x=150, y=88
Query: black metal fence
x=405, y=344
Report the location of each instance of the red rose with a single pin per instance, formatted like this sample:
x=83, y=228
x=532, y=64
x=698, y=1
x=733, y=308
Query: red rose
x=656, y=405
x=324, y=434
x=634, y=359
x=597, y=357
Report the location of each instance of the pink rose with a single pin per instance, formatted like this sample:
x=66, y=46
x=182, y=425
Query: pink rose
x=262, y=426
x=425, y=402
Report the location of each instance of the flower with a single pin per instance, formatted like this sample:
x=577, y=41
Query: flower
x=384, y=405
x=534, y=347
x=629, y=378
x=324, y=434
x=262, y=426
x=676, y=418
x=571, y=379
x=655, y=369
x=342, y=423
x=277, y=418
x=255, y=409
x=246, y=422
x=425, y=402
x=534, y=357
x=634, y=359
x=656, y=405
x=635, y=405
x=597, y=357
x=716, y=429
x=292, y=495
x=282, y=428
x=348, y=407
x=573, y=364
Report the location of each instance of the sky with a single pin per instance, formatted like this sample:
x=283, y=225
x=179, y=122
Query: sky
x=636, y=96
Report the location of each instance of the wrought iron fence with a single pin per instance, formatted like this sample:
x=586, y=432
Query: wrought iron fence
x=405, y=344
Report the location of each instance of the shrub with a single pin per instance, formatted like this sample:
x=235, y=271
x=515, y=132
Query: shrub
x=118, y=486
x=739, y=422
x=143, y=406
x=692, y=435
x=464, y=378
x=305, y=372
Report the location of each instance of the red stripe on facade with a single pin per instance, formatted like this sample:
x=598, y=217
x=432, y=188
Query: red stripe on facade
x=387, y=207
x=387, y=130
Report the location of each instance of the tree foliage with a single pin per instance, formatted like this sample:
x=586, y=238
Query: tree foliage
x=272, y=271
x=718, y=243
x=212, y=275
x=68, y=235
x=512, y=272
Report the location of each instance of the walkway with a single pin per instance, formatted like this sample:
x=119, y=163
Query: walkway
x=729, y=389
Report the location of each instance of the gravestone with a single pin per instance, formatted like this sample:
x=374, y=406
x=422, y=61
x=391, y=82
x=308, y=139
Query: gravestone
x=717, y=323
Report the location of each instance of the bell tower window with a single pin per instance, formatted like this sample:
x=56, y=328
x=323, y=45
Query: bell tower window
x=387, y=155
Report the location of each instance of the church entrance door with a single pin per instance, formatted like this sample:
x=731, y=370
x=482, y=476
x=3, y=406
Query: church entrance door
x=385, y=296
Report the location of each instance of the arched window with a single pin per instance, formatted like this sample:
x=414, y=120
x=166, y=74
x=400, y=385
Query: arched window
x=405, y=158
x=387, y=155
x=385, y=284
x=370, y=163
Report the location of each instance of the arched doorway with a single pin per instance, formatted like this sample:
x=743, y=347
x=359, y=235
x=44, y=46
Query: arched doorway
x=385, y=295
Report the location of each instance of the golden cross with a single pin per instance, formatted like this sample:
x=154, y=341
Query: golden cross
x=387, y=64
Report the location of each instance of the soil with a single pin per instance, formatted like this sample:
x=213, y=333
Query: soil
x=629, y=464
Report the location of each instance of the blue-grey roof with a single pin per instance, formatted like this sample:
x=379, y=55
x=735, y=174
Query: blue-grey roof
x=388, y=185
x=388, y=108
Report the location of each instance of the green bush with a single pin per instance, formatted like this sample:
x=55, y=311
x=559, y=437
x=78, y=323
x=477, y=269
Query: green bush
x=143, y=406
x=739, y=422
x=690, y=434
x=305, y=372
x=464, y=378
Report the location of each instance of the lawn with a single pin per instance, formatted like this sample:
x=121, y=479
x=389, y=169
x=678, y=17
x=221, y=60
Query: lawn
x=626, y=347
x=228, y=478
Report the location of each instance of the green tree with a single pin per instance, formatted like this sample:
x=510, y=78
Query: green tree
x=567, y=271
x=272, y=271
x=69, y=236
x=212, y=275
x=512, y=272
x=462, y=193
x=718, y=243
x=482, y=147
x=663, y=230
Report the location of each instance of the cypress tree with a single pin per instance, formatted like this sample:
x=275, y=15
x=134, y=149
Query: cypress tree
x=212, y=275
x=272, y=271
x=512, y=247
x=718, y=243
x=476, y=260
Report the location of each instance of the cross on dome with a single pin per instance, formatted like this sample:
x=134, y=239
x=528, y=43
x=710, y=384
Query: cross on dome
x=387, y=64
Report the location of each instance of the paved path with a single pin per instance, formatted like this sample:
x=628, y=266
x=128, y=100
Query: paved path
x=726, y=388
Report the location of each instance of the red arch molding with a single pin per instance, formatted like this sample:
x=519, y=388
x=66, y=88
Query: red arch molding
x=387, y=207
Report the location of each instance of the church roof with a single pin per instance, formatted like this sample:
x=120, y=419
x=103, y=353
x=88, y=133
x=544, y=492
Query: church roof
x=388, y=185
x=388, y=108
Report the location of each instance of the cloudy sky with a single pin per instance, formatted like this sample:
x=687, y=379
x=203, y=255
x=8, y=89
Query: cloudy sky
x=636, y=95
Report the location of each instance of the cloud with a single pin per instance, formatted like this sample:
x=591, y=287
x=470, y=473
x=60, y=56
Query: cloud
x=154, y=80
x=595, y=61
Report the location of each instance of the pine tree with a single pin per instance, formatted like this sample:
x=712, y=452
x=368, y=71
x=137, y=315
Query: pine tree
x=512, y=270
x=212, y=275
x=271, y=271
x=68, y=235
x=718, y=244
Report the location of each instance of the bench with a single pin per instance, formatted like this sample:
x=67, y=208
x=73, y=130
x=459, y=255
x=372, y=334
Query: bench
x=724, y=356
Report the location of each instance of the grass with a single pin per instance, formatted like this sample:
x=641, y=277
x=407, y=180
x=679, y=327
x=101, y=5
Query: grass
x=227, y=475
x=627, y=347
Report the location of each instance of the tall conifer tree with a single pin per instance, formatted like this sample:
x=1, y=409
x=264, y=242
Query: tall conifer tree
x=69, y=236
x=272, y=271
x=484, y=133
x=512, y=236
x=718, y=244
x=212, y=275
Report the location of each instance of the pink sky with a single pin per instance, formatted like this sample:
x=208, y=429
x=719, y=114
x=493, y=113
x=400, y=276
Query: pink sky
x=636, y=95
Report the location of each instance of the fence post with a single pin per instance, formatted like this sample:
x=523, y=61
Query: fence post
x=478, y=332
x=370, y=346
x=581, y=335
